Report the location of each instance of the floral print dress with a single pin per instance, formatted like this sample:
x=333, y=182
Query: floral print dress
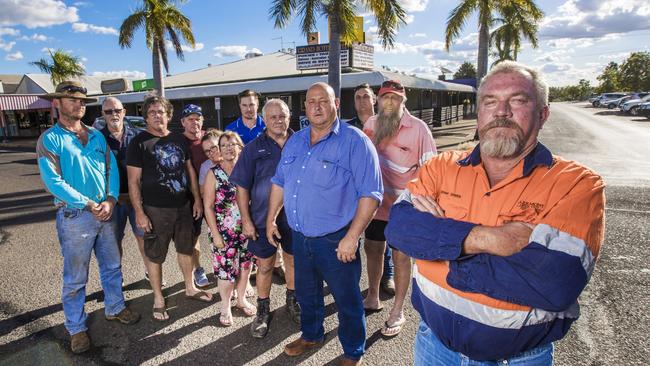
x=234, y=256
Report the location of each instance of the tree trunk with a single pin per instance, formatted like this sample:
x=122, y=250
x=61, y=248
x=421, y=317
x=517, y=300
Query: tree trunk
x=482, y=62
x=334, y=71
x=159, y=82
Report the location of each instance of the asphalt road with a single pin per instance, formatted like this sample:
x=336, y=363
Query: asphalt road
x=612, y=330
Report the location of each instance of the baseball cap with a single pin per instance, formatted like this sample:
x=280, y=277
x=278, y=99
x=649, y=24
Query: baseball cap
x=191, y=109
x=392, y=86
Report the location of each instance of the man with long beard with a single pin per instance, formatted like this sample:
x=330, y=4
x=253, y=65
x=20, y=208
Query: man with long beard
x=404, y=143
x=505, y=237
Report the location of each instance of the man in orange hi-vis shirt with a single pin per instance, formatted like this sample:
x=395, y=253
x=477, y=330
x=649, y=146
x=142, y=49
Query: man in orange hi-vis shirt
x=505, y=237
x=404, y=143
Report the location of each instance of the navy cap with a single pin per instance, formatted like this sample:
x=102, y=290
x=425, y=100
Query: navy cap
x=191, y=109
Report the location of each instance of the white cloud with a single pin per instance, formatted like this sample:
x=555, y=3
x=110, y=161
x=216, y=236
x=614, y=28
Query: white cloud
x=613, y=56
x=414, y=5
x=409, y=18
x=9, y=31
x=571, y=42
x=120, y=74
x=233, y=51
x=417, y=35
x=6, y=46
x=36, y=38
x=81, y=4
x=36, y=13
x=595, y=19
x=48, y=49
x=85, y=27
x=14, y=56
x=198, y=46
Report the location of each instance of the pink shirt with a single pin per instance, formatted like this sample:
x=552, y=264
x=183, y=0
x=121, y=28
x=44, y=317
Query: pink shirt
x=401, y=157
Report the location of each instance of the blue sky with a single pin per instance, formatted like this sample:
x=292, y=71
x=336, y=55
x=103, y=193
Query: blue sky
x=577, y=37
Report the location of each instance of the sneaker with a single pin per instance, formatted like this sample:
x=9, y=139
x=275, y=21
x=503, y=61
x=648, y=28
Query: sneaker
x=292, y=306
x=126, y=316
x=80, y=342
x=260, y=326
x=200, y=279
x=162, y=284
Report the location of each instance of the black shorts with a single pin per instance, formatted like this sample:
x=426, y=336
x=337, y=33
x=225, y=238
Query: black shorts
x=168, y=224
x=261, y=247
x=375, y=230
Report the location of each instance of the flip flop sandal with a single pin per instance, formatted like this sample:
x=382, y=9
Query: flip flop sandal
x=249, y=310
x=392, y=330
x=373, y=310
x=162, y=311
x=225, y=320
x=199, y=296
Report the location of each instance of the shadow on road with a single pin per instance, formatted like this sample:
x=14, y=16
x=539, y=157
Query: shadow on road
x=26, y=207
x=609, y=113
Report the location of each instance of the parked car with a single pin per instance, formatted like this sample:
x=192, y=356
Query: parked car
x=631, y=106
x=616, y=102
x=593, y=97
x=133, y=121
x=606, y=98
x=644, y=109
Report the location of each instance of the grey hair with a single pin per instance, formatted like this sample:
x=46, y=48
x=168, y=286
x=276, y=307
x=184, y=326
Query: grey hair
x=111, y=99
x=507, y=66
x=276, y=101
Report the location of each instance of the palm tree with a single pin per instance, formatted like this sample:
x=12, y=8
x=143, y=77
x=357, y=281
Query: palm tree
x=485, y=8
x=63, y=66
x=516, y=22
x=158, y=17
x=389, y=14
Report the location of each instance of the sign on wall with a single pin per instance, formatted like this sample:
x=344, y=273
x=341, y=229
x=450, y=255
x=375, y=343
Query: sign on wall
x=317, y=56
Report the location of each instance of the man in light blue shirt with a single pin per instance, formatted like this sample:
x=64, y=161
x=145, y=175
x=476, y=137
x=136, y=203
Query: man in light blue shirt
x=329, y=182
x=79, y=170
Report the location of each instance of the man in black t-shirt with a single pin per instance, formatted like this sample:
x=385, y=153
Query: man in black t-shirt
x=160, y=176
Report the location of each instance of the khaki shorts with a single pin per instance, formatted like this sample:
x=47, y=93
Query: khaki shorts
x=169, y=223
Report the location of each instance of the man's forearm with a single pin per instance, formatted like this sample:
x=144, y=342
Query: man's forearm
x=135, y=195
x=366, y=209
x=497, y=240
x=194, y=182
x=275, y=203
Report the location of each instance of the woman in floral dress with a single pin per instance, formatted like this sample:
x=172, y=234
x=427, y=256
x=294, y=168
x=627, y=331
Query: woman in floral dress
x=231, y=259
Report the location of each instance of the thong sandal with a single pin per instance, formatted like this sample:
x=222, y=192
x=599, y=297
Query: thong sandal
x=162, y=312
x=249, y=310
x=225, y=320
x=391, y=330
x=201, y=296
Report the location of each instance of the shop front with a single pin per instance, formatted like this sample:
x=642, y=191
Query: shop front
x=23, y=115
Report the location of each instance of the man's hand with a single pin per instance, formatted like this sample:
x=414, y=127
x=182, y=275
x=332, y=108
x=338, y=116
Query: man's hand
x=248, y=229
x=502, y=241
x=143, y=222
x=427, y=204
x=347, y=249
x=272, y=232
x=103, y=211
x=197, y=209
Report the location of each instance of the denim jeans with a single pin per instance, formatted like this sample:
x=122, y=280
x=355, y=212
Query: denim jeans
x=315, y=261
x=430, y=351
x=122, y=212
x=388, y=264
x=79, y=234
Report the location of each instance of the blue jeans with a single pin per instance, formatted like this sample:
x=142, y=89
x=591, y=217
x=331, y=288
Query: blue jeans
x=79, y=234
x=122, y=212
x=430, y=351
x=315, y=261
x=388, y=264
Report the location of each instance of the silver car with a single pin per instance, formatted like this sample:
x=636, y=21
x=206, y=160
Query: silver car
x=631, y=106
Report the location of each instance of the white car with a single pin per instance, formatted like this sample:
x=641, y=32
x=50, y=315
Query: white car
x=631, y=106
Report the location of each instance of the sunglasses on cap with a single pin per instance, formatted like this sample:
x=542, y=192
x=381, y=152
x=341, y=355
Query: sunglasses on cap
x=392, y=85
x=75, y=89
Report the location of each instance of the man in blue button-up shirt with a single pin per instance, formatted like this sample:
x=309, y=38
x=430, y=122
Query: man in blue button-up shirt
x=77, y=167
x=329, y=182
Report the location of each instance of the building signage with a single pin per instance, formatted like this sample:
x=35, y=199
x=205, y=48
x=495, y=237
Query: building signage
x=144, y=84
x=317, y=56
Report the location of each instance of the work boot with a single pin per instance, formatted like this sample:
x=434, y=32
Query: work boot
x=260, y=325
x=293, y=307
x=300, y=346
x=126, y=316
x=80, y=343
x=350, y=362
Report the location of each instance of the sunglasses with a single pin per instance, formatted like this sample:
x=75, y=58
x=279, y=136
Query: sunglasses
x=211, y=150
x=111, y=111
x=392, y=85
x=75, y=89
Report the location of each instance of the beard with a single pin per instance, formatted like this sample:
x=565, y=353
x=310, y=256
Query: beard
x=502, y=144
x=387, y=124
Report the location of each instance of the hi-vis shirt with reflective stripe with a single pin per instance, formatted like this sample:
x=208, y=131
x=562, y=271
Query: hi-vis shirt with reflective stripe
x=489, y=307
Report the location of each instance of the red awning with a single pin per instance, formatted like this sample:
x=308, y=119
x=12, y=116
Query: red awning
x=22, y=102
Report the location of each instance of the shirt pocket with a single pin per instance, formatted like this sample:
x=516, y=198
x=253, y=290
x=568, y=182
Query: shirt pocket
x=527, y=215
x=453, y=207
x=264, y=167
x=329, y=173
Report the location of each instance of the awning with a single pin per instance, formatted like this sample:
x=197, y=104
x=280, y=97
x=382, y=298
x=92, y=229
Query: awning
x=22, y=102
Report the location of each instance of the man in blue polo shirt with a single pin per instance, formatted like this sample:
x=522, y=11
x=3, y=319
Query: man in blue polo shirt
x=78, y=169
x=252, y=175
x=329, y=182
x=250, y=124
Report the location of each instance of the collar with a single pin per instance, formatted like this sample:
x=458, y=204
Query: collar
x=407, y=119
x=336, y=130
x=539, y=156
x=268, y=138
x=89, y=131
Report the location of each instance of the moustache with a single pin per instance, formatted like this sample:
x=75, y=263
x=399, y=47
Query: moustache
x=501, y=122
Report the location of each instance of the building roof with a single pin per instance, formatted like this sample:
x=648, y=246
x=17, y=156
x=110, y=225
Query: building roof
x=9, y=83
x=41, y=84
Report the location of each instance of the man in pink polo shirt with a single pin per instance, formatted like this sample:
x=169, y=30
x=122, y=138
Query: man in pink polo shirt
x=403, y=143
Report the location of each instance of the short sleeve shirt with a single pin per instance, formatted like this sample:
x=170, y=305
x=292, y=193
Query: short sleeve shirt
x=164, y=181
x=247, y=134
